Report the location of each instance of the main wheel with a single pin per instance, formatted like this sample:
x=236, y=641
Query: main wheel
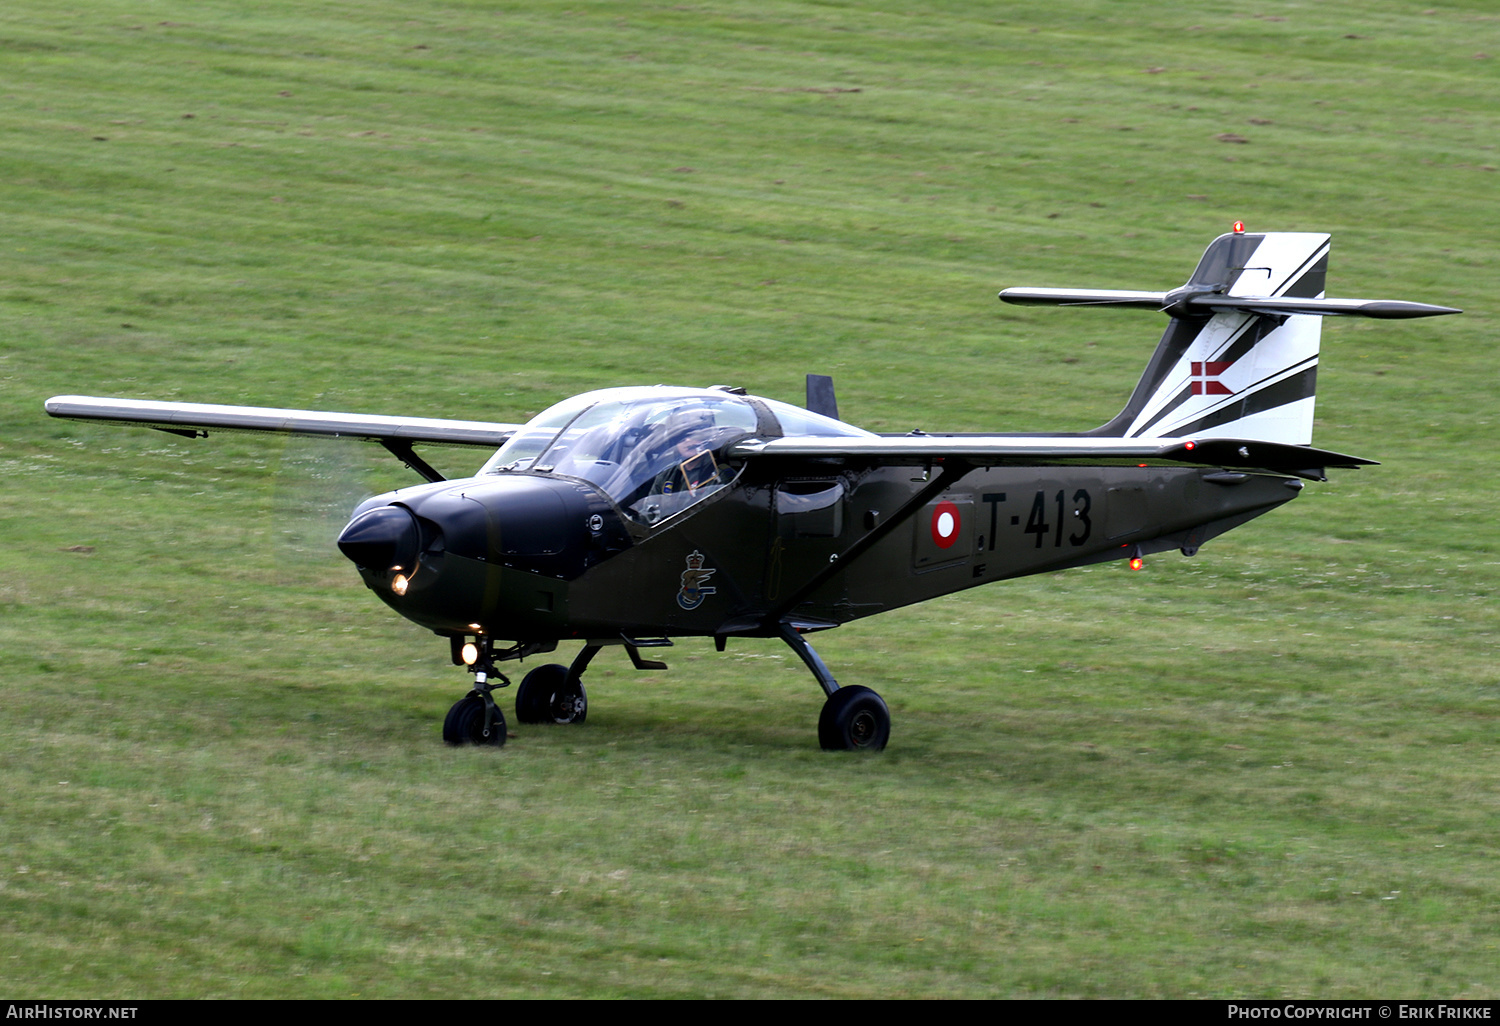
x=854, y=717
x=534, y=695
x=465, y=724
x=546, y=696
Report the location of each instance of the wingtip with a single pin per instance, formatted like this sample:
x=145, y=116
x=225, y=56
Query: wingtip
x=1396, y=309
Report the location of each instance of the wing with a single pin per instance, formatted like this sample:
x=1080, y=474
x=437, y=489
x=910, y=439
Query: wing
x=993, y=450
x=197, y=419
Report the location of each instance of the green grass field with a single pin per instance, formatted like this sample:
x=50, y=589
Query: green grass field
x=1269, y=770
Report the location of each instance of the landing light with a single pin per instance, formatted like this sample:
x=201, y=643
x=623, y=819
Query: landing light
x=469, y=653
x=399, y=584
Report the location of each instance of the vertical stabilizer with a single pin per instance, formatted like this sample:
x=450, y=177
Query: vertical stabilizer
x=1240, y=356
x=1233, y=373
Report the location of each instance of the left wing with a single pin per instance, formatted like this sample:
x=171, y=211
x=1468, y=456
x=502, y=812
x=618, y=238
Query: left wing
x=984, y=450
x=196, y=419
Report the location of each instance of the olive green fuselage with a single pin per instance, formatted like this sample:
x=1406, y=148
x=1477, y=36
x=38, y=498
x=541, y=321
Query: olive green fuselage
x=535, y=558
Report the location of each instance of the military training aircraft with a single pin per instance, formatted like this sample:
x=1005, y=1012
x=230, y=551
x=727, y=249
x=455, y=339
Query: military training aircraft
x=634, y=516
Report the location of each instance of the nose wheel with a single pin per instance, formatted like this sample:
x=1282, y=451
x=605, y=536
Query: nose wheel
x=469, y=722
x=475, y=719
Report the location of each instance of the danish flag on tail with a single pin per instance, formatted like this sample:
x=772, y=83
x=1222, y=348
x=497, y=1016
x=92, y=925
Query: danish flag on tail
x=1206, y=377
x=1239, y=358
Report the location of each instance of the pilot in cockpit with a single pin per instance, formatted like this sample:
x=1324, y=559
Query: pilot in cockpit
x=690, y=435
x=676, y=464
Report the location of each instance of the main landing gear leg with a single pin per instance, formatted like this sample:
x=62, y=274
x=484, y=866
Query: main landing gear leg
x=854, y=716
x=475, y=719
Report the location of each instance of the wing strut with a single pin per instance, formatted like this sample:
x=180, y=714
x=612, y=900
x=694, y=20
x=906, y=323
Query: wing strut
x=951, y=470
x=402, y=450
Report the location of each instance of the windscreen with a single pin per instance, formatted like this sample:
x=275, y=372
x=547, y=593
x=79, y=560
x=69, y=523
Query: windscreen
x=653, y=456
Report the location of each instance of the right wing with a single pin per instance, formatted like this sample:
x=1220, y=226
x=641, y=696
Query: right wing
x=1041, y=450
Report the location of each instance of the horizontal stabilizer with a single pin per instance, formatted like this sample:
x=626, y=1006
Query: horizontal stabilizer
x=1206, y=304
x=1387, y=309
x=1023, y=296
x=192, y=418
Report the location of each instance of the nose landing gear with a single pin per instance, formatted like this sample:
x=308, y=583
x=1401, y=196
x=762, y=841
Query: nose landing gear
x=470, y=722
x=476, y=719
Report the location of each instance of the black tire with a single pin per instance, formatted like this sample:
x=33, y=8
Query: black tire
x=465, y=724
x=854, y=717
x=545, y=696
x=534, y=695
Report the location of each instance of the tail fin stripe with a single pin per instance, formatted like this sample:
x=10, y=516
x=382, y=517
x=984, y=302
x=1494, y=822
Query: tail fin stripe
x=1241, y=339
x=1282, y=389
x=1246, y=337
x=1272, y=253
x=1282, y=393
x=1259, y=396
x=1144, y=428
x=1308, y=281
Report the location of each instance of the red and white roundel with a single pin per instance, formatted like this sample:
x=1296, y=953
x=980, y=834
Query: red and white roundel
x=945, y=524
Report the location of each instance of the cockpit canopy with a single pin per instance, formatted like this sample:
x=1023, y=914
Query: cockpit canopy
x=654, y=451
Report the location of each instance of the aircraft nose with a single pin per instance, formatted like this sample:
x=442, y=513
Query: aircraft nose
x=382, y=539
x=490, y=550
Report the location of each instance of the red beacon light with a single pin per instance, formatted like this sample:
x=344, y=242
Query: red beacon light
x=1239, y=228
